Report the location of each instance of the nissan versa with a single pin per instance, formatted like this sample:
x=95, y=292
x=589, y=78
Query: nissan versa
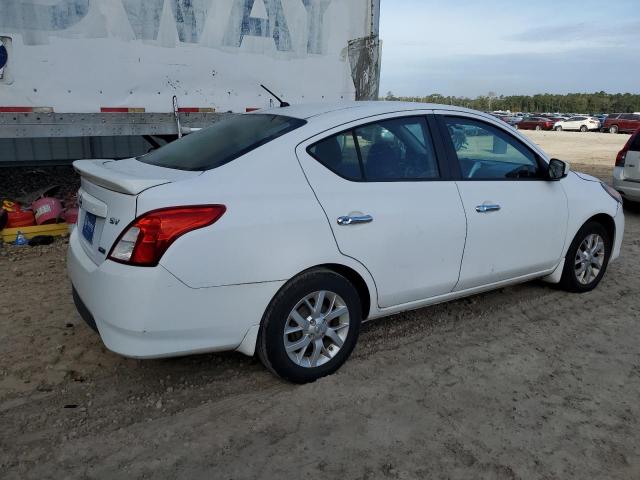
x=278, y=232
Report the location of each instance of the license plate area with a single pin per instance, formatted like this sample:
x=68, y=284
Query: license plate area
x=89, y=227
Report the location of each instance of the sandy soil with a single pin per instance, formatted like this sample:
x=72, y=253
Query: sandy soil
x=592, y=148
x=525, y=382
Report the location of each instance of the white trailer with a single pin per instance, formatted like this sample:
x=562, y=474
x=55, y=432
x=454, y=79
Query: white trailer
x=91, y=70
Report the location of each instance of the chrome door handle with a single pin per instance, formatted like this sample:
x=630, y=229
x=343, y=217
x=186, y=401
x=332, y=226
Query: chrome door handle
x=484, y=208
x=348, y=220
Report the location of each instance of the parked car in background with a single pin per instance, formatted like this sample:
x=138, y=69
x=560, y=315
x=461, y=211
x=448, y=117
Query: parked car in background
x=601, y=118
x=536, y=123
x=626, y=173
x=510, y=120
x=622, y=123
x=582, y=124
x=279, y=232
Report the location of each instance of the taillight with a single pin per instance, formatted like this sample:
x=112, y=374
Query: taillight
x=622, y=154
x=146, y=239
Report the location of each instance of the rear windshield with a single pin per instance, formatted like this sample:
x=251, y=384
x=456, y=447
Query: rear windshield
x=222, y=142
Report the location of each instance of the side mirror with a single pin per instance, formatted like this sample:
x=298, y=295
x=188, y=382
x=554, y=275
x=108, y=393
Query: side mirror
x=557, y=169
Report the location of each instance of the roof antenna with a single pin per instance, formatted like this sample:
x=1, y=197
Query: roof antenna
x=282, y=104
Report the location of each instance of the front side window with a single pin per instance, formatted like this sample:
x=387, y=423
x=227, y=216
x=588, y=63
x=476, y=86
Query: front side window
x=224, y=141
x=390, y=150
x=485, y=152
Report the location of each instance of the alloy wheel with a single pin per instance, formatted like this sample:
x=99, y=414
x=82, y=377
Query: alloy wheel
x=589, y=259
x=316, y=329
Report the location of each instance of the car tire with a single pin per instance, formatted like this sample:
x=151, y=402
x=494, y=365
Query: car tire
x=614, y=129
x=581, y=255
x=321, y=352
x=558, y=128
x=538, y=128
x=584, y=129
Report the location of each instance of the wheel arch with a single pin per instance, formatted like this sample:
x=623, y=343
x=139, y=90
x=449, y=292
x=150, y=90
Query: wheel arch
x=607, y=222
x=352, y=275
x=356, y=280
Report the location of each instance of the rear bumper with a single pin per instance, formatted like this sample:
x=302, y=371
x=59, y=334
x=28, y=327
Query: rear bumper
x=629, y=189
x=148, y=313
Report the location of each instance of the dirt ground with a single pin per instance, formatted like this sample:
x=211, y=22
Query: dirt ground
x=524, y=382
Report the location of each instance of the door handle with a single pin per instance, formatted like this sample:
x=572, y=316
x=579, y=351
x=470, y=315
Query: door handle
x=349, y=220
x=487, y=207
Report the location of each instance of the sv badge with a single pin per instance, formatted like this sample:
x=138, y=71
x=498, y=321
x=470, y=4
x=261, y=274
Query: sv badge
x=114, y=221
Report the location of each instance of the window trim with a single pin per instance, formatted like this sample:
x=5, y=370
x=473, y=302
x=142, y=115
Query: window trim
x=453, y=157
x=438, y=151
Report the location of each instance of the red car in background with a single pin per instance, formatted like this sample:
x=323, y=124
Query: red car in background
x=536, y=123
x=621, y=122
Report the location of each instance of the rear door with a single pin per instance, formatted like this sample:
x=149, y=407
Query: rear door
x=632, y=160
x=629, y=122
x=391, y=203
x=517, y=221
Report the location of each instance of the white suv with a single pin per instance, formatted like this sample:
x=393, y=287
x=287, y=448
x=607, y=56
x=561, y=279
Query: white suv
x=578, y=123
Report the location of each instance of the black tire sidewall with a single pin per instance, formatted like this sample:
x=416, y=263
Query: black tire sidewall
x=569, y=280
x=270, y=342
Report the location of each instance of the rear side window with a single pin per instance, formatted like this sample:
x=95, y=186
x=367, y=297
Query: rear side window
x=634, y=145
x=222, y=142
x=390, y=150
x=339, y=154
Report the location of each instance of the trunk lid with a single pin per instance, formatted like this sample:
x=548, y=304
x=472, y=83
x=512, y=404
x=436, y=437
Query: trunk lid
x=108, y=198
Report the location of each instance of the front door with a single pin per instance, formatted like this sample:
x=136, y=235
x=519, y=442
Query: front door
x=390, y=204
x=516, y=219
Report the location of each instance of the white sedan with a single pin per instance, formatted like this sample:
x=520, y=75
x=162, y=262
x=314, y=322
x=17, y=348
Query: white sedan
x=279, y=232
x=578, y=124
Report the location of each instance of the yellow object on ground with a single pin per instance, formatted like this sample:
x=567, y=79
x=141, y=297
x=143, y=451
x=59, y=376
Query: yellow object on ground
x=56, y=229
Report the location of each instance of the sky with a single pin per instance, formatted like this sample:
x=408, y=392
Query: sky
x=473, y=47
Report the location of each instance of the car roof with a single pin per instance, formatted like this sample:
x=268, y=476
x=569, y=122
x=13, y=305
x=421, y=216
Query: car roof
x=356, y=110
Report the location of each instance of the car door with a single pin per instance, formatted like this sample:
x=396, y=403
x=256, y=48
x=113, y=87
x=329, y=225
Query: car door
x=573, y=123
x=516, y=219
x=628, y=122
x=391, y=204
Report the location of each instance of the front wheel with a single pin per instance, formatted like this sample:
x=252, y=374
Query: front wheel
x=311, y=326
x=584, y=129
x=587, y=259
x=558, y=128
x=613, y=129
x=538, y=128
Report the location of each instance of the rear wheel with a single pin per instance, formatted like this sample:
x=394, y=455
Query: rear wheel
x=614, y=129
x=558, y=128
x=587, y=259
x=538, y=128
x=584, y=128
x=311, y=326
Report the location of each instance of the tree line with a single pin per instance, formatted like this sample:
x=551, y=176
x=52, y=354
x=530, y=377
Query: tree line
x=594, y=103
